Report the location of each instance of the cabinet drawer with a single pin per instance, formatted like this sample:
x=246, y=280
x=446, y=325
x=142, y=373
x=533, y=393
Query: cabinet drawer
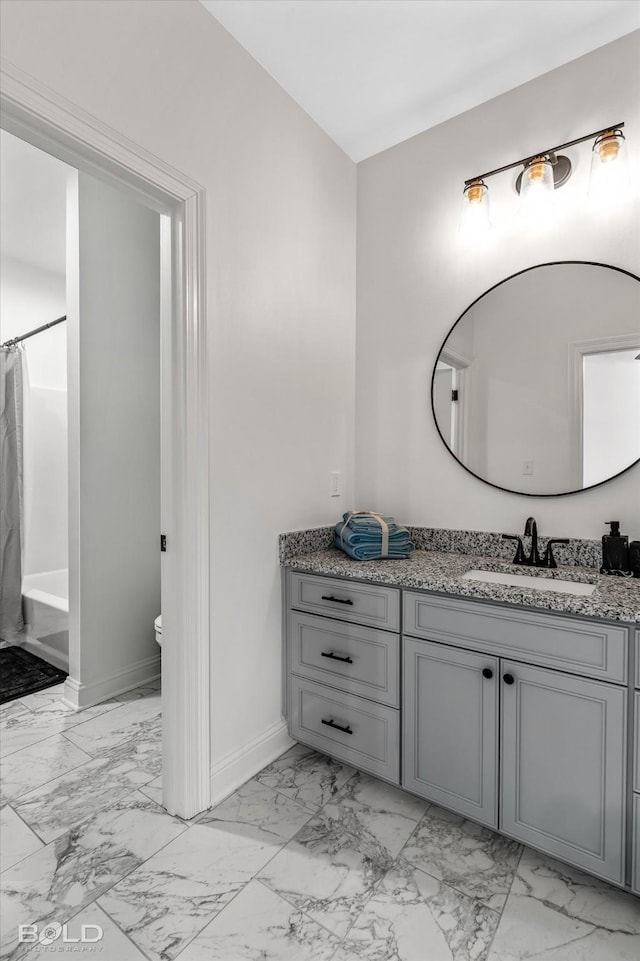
x=638, y=660
x=635, y=876
x=348, y=600
x=585, y=647
x=636, y=750
x=370, y=740
x=359, y=660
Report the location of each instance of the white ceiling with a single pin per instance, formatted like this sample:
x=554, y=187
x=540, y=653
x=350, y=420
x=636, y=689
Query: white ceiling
x=372, y=73
x=33, y=192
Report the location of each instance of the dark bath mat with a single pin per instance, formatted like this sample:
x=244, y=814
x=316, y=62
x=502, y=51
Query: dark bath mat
x=23, y=673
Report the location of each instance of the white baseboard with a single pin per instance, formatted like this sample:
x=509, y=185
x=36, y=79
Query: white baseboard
x=79, y=695
x=240, y=765
x=48, y=653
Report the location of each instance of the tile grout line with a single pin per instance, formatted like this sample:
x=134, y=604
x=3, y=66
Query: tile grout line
x=41, y=714
x=130, y=789
x=124, y=933
x=513, y=880
x=283, y=897
x=452, y=887
x=380, y=880
x=30, y=829
x=198, y=822
x=187, y=828
x=330, y=800
x=318, y=754
x=77, y=825
x=291, y=839
x=37, y=787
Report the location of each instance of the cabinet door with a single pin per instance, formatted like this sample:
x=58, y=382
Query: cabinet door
x=563, y=762
x=450, y=719
x=636, y=745
x=635, y=847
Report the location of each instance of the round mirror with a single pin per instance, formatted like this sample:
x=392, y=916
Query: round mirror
x=536, y=389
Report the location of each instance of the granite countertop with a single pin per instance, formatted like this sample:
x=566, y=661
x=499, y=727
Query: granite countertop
x=614, y=599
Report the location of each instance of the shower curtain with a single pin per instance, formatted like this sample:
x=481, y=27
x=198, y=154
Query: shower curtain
x=11, y=427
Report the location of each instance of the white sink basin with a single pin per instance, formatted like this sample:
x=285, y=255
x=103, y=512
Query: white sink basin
x=536, y=583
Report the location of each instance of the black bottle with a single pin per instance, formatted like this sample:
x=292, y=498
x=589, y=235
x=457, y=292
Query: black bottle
x=634, y=557
x=615, y=551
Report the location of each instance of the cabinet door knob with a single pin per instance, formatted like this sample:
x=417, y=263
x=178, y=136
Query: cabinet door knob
x=487, y=672
x=508, y=679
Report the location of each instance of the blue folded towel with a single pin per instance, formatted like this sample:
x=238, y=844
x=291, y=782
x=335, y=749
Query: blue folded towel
x=354, y=537
x=361, y=537
x=371, y=552
x=367, y=521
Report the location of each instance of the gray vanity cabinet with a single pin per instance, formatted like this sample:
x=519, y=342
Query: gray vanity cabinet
x=516, y=718
x=562, y=766
x=450, y=742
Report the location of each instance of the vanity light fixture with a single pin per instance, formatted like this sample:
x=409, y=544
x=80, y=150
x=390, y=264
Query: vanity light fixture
x=545, y=172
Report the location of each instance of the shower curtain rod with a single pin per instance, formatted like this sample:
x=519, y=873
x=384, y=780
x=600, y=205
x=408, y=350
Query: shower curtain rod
x=16, y=340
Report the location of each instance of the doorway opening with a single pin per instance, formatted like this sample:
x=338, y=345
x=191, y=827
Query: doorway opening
x=611, y=401
x=450, y=399
x=42, y=118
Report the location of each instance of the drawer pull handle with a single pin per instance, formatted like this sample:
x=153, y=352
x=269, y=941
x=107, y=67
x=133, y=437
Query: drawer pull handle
x=508, y=678
x=337, y=600
x=487, y=672
x=345, y=730
x=336, y=657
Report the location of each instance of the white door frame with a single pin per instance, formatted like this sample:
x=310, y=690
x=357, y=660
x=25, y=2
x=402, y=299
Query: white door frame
x=40, y=116
x=460, y=436
x=577, y=351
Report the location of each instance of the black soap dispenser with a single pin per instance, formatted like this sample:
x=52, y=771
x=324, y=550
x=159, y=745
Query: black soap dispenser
x=615, y=551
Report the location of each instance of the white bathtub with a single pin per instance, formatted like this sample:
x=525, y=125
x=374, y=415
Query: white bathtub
x=45, y=608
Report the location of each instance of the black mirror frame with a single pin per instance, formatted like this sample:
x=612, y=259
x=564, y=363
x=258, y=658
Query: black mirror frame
x=508, y=490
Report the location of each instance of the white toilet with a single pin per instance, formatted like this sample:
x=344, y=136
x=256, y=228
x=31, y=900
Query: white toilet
x=157, y=624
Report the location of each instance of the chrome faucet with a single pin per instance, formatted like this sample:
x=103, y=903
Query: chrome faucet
x=534, y=559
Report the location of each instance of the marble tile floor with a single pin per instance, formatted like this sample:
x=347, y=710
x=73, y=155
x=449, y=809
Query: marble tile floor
x=308, y=860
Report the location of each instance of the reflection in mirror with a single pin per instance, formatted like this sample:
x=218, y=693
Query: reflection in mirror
x=537, y=387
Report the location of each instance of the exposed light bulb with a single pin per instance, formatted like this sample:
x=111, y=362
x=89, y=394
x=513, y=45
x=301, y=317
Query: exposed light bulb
x=609, y=167
x=474, y=220
x=536, y=190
